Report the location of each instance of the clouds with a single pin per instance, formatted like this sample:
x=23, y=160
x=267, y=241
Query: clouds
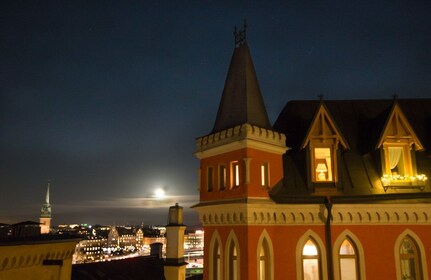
x=149, y=210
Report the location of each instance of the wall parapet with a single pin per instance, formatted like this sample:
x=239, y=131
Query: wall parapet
x=240, y=133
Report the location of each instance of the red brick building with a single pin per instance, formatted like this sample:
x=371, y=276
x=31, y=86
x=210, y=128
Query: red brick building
x=334, y=189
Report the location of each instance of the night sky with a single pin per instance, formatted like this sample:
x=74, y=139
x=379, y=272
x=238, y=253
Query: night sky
x=106, y=98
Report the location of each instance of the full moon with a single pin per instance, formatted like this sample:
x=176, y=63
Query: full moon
x=159, y=193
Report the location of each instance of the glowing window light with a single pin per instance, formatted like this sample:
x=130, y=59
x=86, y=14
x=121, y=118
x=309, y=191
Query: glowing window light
x=309, y=249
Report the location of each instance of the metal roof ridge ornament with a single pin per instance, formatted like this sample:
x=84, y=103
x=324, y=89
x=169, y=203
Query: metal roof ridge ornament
x=240, y=35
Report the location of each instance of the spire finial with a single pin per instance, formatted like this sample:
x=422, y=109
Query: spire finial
x=240, y=35
x=395, y=96
x=320, y=97
x=47, y=192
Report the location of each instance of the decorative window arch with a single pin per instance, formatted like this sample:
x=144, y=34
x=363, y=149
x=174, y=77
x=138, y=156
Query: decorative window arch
x=215, y=257
x=410, y=257
x=310, y=251
x=233, y=271
x=349, y=259
x=265, y=257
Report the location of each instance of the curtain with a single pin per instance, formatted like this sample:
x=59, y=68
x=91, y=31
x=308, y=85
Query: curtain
x=394, y=156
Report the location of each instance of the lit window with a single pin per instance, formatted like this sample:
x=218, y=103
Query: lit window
x=322, y=165
x=222, y=177
x=210, y=178
x=348, y=261
x=409, y=257
x=310, y=261
x=396, y=161
x=264, y=174
x=235, y=174
x=216, y=265
x=233, y=262
x=264, y=261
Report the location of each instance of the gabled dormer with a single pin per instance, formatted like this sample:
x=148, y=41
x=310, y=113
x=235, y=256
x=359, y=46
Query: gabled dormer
x=398, y=144
x=323, y=141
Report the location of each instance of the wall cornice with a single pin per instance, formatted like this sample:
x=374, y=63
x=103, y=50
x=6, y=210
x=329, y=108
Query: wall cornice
x=241, y=136
x=266, y=212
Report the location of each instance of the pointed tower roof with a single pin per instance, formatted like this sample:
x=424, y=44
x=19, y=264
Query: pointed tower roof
x=241, y=101
x=45, y=211
x=47, y=193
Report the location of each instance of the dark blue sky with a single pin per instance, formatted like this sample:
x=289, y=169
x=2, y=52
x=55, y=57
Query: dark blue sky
x=105, y=98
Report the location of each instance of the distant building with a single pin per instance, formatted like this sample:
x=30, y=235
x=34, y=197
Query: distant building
x=36, y=258
x=90, y=250
x=333, y=190
x=45, y=214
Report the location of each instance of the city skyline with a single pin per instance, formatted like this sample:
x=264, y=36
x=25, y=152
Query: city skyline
x=105, y=100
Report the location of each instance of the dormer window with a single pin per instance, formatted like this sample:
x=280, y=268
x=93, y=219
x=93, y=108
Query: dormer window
x=323, y=139
x=323, y=165
x=398, y=144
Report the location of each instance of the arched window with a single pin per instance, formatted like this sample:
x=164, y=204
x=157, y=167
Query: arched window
x=263, y=262
x=233, y=270
x=348, y=258
x=265, y=258
x=215, y=258
x=311, y=264
x=232, y=262
x=410, y=259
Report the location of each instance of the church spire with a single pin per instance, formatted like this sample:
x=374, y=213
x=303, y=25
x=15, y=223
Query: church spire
x=241, y=101
x=45, y=213
x=47, y=193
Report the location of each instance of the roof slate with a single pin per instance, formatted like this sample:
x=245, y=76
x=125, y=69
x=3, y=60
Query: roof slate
x=241, y=101
x=361, y=122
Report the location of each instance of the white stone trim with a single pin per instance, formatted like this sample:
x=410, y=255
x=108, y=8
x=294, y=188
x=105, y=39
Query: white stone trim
x=266, y=212
x=260, y=213
x=238, y=137
x=419, y=213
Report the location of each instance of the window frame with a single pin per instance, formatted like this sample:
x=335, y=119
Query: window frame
x=232, y=244
x=406, y=154
x=215, y=257
x=422, y=260
x=411, y=256
x=321, y=249
x=353, y=256
x=359, y=250
x=264, y=174
x=317, y=257
x=210, y=179
x=222, y=177
x=333, y=162
x=235, y=174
